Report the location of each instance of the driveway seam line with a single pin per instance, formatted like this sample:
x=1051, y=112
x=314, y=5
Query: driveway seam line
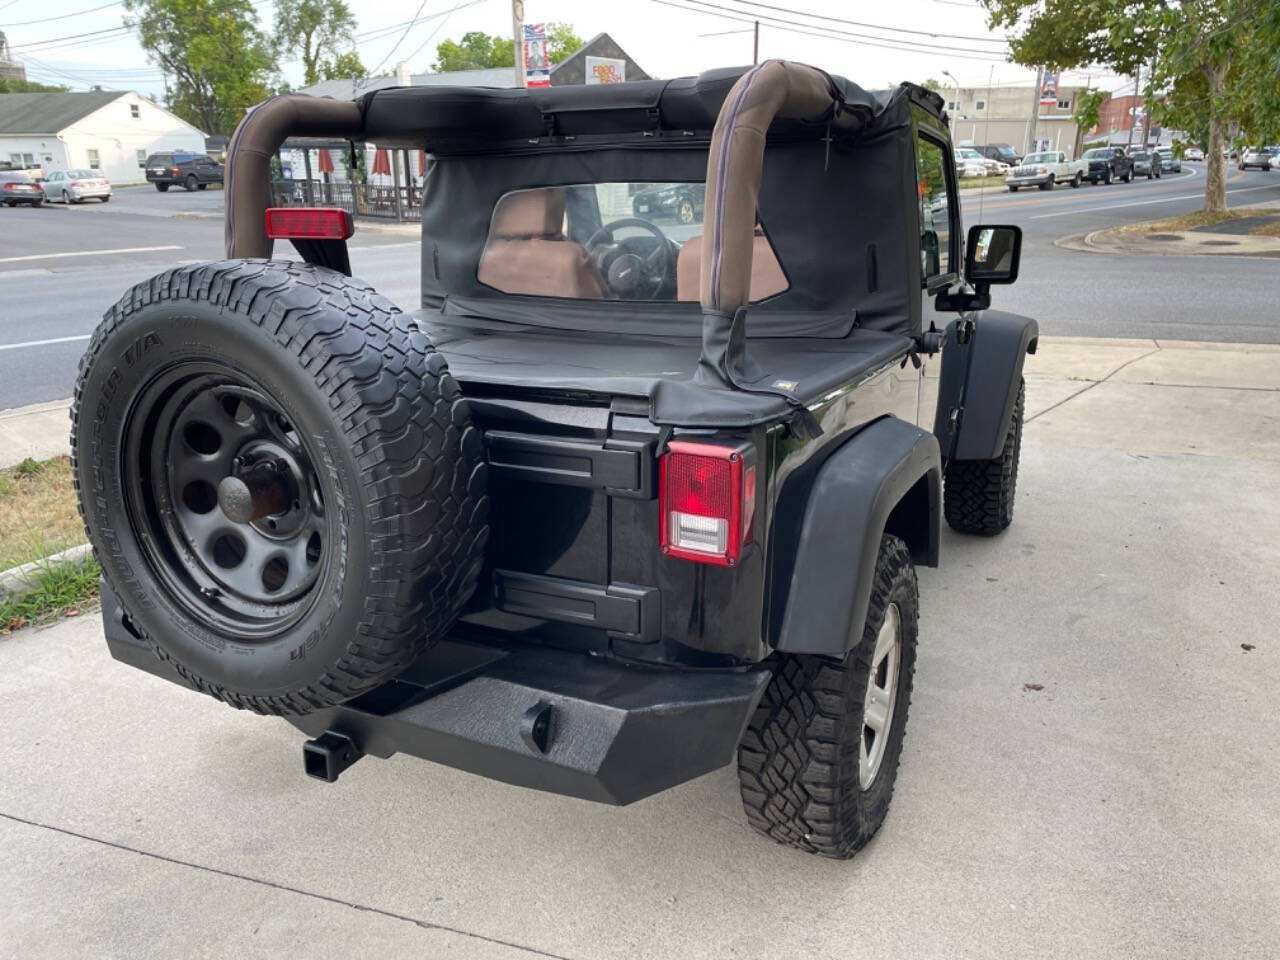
x=1090, y=386
x=424, y=924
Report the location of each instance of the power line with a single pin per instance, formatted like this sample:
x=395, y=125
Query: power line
x=62, y=16
x=457, y=6
x=416, y=14
x=91, y=33
x=869, y=26
x=843, y=36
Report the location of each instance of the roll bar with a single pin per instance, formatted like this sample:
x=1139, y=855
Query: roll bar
x=256, y=140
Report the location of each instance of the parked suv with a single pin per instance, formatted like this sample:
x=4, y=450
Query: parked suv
x=194, y=171
x=567, y=524
x=1000, y=151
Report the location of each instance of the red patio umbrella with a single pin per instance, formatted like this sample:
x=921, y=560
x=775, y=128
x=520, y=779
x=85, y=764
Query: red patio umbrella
x=326, y=161
x=382, y=162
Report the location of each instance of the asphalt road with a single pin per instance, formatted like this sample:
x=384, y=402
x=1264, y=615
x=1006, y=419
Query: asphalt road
x=60, y=267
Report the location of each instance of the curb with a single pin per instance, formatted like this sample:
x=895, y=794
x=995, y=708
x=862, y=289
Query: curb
x=1106, y=241
x=21, y=580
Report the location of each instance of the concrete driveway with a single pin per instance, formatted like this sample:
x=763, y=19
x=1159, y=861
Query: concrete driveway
x=1090, y=768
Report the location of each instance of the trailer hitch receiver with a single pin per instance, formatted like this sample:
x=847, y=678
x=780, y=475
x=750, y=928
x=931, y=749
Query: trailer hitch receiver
x=328, y=755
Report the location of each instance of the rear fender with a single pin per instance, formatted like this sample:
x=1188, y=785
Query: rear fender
x=978, y=386
x=886, y=478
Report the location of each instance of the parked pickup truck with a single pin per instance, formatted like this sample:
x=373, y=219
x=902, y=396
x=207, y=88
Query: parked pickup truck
x=1108, y=163
x=613, y=504
x=1044, y=170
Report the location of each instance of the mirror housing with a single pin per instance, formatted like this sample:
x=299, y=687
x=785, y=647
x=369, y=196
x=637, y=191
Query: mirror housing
x=991, y=255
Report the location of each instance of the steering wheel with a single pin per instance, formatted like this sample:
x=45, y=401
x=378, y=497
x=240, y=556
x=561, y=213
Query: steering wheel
x=628, y=275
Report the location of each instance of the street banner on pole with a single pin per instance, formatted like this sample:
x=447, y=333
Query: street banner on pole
x=606, y=70
x=537, y=68
x=1049, y=89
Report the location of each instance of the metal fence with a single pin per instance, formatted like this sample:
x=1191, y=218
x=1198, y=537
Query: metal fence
x=358, y=199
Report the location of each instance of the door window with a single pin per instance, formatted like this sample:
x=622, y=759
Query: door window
x=934, y=189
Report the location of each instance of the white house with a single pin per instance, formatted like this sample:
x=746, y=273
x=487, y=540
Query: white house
x=107, y=130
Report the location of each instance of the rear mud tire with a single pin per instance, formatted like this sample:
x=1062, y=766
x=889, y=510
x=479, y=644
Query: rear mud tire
x=798, y=763
x=162, y=187
x=396, y=473
x=978, y=495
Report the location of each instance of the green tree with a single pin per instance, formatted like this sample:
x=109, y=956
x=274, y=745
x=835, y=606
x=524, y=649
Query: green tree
x=1085, y=113
x=315, y=31
x=16, y=85
x=217, y=62
x=562, y=41
x=1170, y=43
x=343, y=67
x=478, y=50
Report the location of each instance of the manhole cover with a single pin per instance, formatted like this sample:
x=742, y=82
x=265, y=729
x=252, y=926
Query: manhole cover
x=1163, y=236
x=1219, y=243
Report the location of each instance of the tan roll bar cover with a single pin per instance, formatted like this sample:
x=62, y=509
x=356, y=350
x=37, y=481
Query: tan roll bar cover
x=260, y=134
x=775, y=88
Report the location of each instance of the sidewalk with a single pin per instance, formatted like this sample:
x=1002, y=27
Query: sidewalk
x=1195, y=242
x=1089, y=770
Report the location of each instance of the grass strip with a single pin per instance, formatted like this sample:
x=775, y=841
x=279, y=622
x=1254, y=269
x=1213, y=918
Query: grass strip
x=38, y=516
x=58, y=590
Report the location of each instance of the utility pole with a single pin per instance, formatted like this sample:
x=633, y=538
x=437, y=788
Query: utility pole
x=1029, y=139
x=517, y=34
x=755, y=44
x=1146, y=112
x=1133, y=111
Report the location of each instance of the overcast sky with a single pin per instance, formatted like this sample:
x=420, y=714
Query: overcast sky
x=887, y=43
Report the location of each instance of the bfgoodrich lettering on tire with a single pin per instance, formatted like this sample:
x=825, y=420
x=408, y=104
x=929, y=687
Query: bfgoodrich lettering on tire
x=280, y=479
x=819, y=758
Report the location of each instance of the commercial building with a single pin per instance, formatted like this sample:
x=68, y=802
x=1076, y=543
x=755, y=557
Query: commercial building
x=1002, y=114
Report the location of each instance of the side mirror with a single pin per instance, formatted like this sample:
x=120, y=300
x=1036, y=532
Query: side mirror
x=992, y=255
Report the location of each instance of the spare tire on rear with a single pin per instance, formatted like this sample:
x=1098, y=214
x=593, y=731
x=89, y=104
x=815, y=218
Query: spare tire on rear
x=280, y=479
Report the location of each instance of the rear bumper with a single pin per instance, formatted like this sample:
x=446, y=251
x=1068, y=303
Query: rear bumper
x=608, y=732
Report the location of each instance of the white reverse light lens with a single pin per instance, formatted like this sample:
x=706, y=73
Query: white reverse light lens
x=703, y=534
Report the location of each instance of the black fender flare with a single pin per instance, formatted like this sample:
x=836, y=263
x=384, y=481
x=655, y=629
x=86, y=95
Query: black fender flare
x=888, y=476
x=981, y=371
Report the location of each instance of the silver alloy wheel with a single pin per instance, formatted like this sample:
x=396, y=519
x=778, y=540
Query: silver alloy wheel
x=882, y=690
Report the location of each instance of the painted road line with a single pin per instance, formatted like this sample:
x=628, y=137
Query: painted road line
x=1144, y=203
x=42, y=343
x=86, y=253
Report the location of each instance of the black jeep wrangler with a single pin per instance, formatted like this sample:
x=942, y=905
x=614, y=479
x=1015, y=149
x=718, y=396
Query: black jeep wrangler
x=616, y=502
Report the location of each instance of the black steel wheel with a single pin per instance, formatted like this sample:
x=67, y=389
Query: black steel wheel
x=280, y=479
x=224, y=497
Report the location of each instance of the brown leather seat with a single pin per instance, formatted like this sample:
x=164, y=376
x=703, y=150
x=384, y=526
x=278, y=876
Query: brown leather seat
x=767, y=277
x=527, y=251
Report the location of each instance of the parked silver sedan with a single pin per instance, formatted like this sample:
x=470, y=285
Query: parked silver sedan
x=76, y=186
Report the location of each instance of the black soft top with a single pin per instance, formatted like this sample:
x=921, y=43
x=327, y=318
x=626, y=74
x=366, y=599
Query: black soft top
x=838, y=200
x=443, y=119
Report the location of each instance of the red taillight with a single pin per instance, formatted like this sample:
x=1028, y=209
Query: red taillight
x=175, y=171
x=309, y=223
x=77, y=183
x=706, y=501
